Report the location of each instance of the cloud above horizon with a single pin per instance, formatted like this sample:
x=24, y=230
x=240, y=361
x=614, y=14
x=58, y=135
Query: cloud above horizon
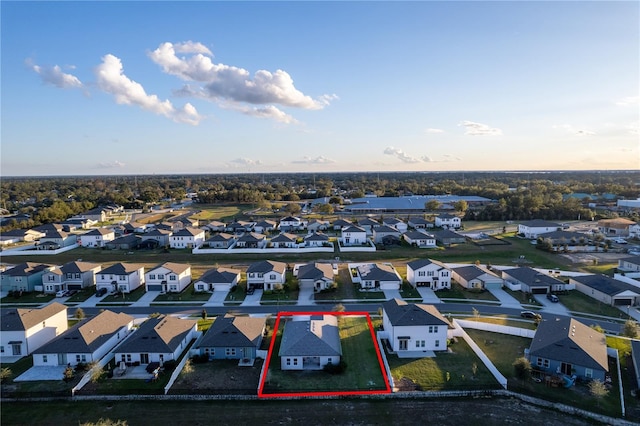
x=56, y=77
x=400, y=155
x=231, y=84
x=478, y=129
x=111, y=165
x=246, y=162
x=572, y=130
x=317, y=160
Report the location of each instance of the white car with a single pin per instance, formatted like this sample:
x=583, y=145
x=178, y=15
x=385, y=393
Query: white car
x=61, y=293
x=620, y=241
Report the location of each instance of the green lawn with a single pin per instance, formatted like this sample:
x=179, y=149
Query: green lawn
x=127, y=297
x=82, y=295
x=31, y=297
x=188, y=294
x=214, y=212
x=459, y=292
x=35, y=388
x=446, y=371
x=504, y=320
x=579, y=302
x=363, y=371
x=503, y=349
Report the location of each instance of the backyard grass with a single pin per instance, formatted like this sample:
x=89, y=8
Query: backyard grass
x=363, y=370
x=503, y=349
x=579, y=302
x=448, y=370
x=38, y=388
x=125, y=298
x=504, y=320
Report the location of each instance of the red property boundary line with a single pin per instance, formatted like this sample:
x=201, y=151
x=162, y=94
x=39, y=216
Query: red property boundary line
x=262, y=394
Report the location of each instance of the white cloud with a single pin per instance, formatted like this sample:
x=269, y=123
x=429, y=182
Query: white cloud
x=112, y=165
x=192, y=47
x=317, y=160
x=633, y=128
x=246, y=162
x=629, y=101
x=572, y=130
x=111, y=79
x=267, y=111
x=230, y=83
x=431, y=130
x=479, y=129
x=400, y=155
x=447, y=159
x=55, y=76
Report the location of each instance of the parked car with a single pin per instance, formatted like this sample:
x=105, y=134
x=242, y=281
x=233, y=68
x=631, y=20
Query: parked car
x=620, y=241
x=552, y=297
x=250, y=290
x=101, y=292
x=530, y=314
x=61, y=293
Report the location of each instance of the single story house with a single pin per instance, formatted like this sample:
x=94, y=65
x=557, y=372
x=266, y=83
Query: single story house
x=316, y=239
x=284, y=240
x=221, y=279
x=70, y=276
x=447, y=237
x=418, y=222
x=533, y=281
x=316, y=276
x=292, y=223
x=158, y=339
x=215, y=226
x=85, y=342
x=428, y=273
x=607, y=290
x=476, y=277
x=568, y=347
x=121, y=278
x=220, y=241
x=265, y=226
x=368, y=224
x=25, y=276
x=251, y=240
x=532, y=228
x=381, y=231
x=161, y=236
x=266, y=275
x=17, y=235
x=419, y=239
x=382, y=276
x=233, y=337
x=56, y=240
x=25, y=330
x=316, y=225
x=310, y=343
x=618, y=227
x=126, y=242
x=414, y=328
x=394, y=222
x=629, y=264
x=339, y=224
x=240, y=226
x=169, y=277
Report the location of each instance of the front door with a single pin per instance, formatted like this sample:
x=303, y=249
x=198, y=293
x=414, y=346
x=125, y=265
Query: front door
x=566, y=368
x=144, y=358
x=62, y=359
x=402, y=345
x=17, y=349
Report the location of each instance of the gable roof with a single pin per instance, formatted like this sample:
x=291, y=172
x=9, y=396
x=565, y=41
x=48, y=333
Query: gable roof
x=606, y=284
x=530, y=276
x=77, y=267
x=187, y=232
x=267, y=266
x=87, y=335
x=176, y=268
x=316, y=236
x=400, y=313
x=122, y=269
x=158, y=233
x=98, y=231
x=231, y=330
x=158, y=335
x=251, y=236
x=23, y=319
x=471, y=272
x=353, y=228
x=418, y=235
x=378, y=272
x=25, y=269
x=318, y=336
x=220, y=275
x=421, y=263
x=315, y=271
x=568, y=340
x=385, y=229
x=284, y=238
x=222, y=236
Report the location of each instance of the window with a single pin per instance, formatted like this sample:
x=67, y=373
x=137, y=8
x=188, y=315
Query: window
x=295, y=361
x=230, y=351
x=1, y=349
x=431, y=329
x=288, y=361
x=77, y=358
x=420, y=343
x=161, y=276
x=51, y=277
x=17, y=349
x=437, y=343
x=44, y=359
x=430, y=273
x=542, y=362
x=588, y=372
x=77, y=276
x=272, y=276
x=421, y=273
x=152, y=276
x=172, y=277
x=128, y=357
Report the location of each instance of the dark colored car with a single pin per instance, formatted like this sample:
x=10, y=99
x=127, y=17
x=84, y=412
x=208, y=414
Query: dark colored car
x=250, y=290
x=101, y=292
x=530, y=314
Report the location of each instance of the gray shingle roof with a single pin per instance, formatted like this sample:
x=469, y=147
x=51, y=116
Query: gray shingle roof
x=220, y=276
x=284, y=238
x=317, y=236
x=377, y=272
x=531, y=277
x=23, y=319
x=606, y=284
x=265, y=266
x=78, y=267
x=401, y=313
x=315, y=271
x=158, y=335
x=568, y=340
x=316, y=337
x=472, y=271
x=122, y=269
x=421, y=263
x=25, y=269
x=234, y=331
x=87, y=335
x=187, y=232
x=539, y=223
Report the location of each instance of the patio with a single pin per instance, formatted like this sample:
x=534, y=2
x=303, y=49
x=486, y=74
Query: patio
x=137, y=372
x=38, y=373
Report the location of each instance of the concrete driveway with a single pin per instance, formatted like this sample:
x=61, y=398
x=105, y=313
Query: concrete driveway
x=505, y=298
x=306, y=296
x=217, y=298
x=549, y=306
x=428, y=295
x=253, y=299
x=92, y=301
x=392, y=294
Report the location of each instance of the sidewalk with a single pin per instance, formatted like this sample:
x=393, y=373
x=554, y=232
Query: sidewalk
x=550, y=307
x=92, y=301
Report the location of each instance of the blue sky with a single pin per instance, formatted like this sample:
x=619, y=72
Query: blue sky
x=228, y=87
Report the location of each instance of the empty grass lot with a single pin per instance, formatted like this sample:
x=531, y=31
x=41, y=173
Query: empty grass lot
x=363, y=371
x=446, y=371
x=579, y=302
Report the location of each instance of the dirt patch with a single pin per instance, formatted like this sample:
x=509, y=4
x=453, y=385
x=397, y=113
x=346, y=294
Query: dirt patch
x=219, y=376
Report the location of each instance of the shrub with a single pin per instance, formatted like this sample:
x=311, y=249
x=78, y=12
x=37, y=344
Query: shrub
x=336, y=368
x=522, y=367
x=170, y=365
x=5, y=374
x=68, y=374
x=200, y=359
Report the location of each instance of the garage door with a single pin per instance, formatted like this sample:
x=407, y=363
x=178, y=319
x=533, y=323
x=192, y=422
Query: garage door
x=540, y=290
x=154, y=287
x=622, y=302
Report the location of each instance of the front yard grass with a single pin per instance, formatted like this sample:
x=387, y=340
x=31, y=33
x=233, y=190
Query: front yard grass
x=363, y=371
x=126, y=297
x=504, y=320
x=30, y=297
x=503, y=350
x=186, y=295
x=458, y=292
x=579, y=302
x=82, y=295
x=448, y=370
